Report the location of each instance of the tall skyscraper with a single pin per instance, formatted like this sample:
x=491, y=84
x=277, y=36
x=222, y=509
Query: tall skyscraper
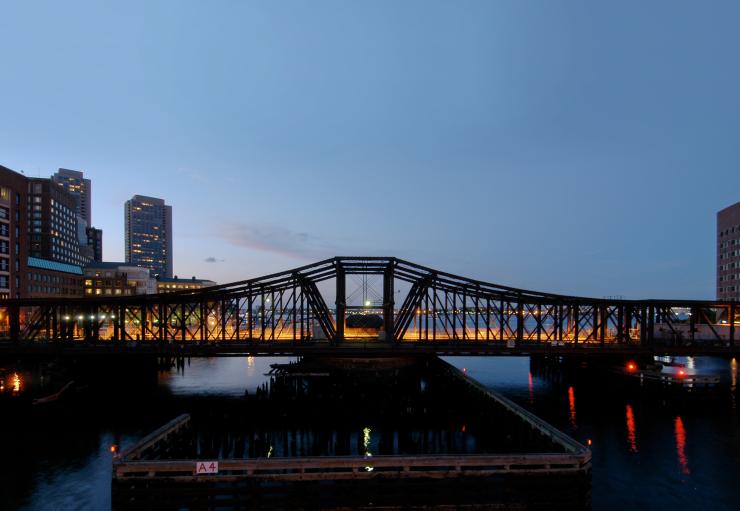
x=149, y=234
x=77, y=186
x=80, y=189
x=728, y=253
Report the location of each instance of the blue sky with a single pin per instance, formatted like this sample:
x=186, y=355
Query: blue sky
x=577, y=147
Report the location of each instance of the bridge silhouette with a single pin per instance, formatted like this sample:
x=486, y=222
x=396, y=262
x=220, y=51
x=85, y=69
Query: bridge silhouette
x=419, y=310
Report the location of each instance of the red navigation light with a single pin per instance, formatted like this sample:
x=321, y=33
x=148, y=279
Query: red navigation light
x=631, y=367
x=463, y=428
x=589, y=442
x=113, y=448
x=681, y=372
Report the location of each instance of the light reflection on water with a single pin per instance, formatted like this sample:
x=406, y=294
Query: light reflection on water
x=631, y=428
x=683, y=460
x=572, y=408
x=228, y=376
x=687, y=454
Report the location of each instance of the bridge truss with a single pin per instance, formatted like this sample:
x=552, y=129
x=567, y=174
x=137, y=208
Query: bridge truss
x=419, y=304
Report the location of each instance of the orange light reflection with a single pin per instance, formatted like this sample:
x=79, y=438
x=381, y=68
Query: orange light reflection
x=572, y=407
x=631, y=430
x=680, y=432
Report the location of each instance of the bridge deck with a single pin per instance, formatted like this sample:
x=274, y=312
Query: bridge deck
x=349, y=349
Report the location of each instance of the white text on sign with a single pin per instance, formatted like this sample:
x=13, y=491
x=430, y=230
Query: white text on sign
x=206, y=467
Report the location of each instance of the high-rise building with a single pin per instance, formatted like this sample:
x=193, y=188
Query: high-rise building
x=13, y=233
x=77, y=186
x=53, y=224
x=728, y=253
x=149, y=234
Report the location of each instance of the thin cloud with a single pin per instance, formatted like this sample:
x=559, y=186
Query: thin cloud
x=275, y=239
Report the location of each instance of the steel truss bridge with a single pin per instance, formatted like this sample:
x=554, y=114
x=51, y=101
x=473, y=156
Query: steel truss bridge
x=419, y=310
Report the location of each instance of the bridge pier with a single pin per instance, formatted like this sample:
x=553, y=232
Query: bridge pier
x=341, y=301
x=388, y=302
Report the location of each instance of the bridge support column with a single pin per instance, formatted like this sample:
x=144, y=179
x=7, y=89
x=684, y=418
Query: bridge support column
x=388, y=303
x=519, y=320
x=54, y=322
x=144, y=320
x=341, y=301
x=651, y=324
x=732, y=324
x=576, y=321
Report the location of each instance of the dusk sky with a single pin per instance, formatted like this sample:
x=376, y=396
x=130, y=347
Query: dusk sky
x=576, y=147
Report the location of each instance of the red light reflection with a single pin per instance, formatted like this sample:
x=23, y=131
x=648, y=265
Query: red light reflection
x=631, y=430
x=531, y=390
x=572, y=407
x=681, y=445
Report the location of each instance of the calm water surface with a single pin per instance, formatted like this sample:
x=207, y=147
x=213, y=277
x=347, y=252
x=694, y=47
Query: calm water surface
x=650, y=450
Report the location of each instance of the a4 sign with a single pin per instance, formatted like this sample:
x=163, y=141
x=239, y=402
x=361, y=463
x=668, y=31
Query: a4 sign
x=206, y=467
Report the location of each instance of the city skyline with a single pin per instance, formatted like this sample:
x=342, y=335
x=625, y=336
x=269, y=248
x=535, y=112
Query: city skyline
x=539, y=138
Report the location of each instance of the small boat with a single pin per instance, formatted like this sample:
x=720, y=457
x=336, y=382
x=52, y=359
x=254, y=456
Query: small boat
x=53, y=397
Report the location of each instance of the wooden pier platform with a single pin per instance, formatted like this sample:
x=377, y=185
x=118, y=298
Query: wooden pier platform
x=531, y=480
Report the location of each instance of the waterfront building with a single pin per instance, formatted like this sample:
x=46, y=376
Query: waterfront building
x=53, y=224
x=165, y=285
x=48, y=279
x=13, y=233
x=728, y=253
x=117, y=279
x=149, y=234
